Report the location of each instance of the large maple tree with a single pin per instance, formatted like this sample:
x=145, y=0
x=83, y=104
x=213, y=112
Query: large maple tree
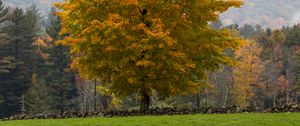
x=137, y=46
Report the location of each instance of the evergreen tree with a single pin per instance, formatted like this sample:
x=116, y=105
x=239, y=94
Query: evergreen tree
x=217, y=25
x=4, y=61
x=60, y=80
x=293, y=35
x=3, y=12
x=248, y=31
x=7, y=64
x=37, y=97
x=296, y=87
x=22, y=31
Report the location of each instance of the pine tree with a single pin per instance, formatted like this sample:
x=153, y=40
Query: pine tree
x=36, y=99
x=296, y=87
x=3, y=12
x=60, y=80
x=5, y=62
x=7, y=65
x=217, y=25
x=248, y=31
x=22, y=31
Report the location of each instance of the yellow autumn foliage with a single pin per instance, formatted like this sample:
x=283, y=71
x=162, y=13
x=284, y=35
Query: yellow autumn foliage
x=146, y=45
x=247, y=72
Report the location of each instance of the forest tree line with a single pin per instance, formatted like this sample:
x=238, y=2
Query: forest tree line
x=35, y=73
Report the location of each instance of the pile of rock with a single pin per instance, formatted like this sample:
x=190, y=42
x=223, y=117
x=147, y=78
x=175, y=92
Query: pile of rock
x=159, y=111
x=65, y=115
x=284, y=108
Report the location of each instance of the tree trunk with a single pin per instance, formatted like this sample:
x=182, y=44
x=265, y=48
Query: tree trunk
x=226, y=97
x=207, y=101
x=296, y=98
x=145, y=101
x=287, y=97
x=16, y=50
x=274, y=101
x=198, y=101
x=95, y=95
x=62, y=102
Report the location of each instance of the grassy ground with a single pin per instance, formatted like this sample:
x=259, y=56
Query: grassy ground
x=244, y=119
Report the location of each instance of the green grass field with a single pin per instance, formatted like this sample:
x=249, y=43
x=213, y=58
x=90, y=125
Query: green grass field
x=244, y=119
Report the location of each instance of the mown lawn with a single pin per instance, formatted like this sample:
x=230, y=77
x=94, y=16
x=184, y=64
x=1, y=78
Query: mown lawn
x=244, y=119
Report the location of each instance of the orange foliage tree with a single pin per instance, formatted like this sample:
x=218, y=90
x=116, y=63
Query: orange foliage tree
x=247, y=73
x=137, y=46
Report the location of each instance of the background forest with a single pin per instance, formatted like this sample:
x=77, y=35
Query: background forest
x=35, y=74
x=268, y=13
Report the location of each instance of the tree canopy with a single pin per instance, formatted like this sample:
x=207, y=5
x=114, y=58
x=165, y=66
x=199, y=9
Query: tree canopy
x=145, y=45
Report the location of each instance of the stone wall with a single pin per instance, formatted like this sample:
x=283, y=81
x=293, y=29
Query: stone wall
x=160, y=111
